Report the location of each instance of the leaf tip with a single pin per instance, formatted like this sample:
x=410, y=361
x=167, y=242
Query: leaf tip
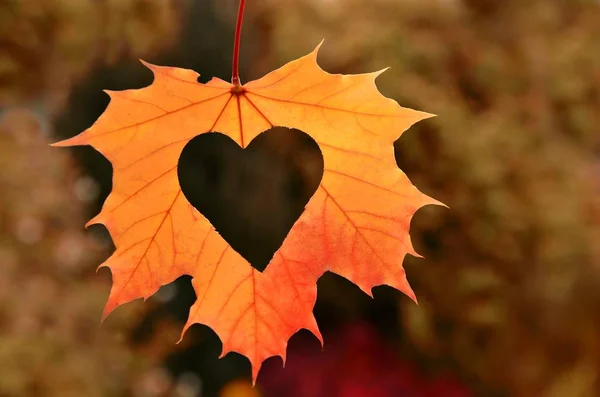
x=413, y=297
x=427, y=115
x=408, y=291
x=108, y=309
x=94, y=221
x=283, y=358
x=420, y=116
x=366, y=289
x=314, y=328
x=416, y=254
x=152, y=67
x=146, y=64
x=255, y=370
x=379, y=72
x=224, y=352
x=427, y=200
x=319, y=45
x=77, y=140
x=187, y=325
x=314, y=53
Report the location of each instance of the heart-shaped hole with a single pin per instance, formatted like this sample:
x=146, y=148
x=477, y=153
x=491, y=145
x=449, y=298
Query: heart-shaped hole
x=251, y=196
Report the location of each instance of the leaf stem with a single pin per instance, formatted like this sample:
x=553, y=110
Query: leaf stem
x=235, y=72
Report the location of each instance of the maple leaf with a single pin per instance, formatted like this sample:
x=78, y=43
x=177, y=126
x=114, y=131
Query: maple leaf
x=356, y=224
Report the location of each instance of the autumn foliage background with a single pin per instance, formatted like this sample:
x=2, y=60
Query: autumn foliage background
x=509, y=290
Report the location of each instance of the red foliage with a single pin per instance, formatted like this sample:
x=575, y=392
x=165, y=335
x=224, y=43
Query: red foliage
x=357, y=363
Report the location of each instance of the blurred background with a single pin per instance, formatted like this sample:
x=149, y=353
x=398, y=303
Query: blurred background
x=509, y=291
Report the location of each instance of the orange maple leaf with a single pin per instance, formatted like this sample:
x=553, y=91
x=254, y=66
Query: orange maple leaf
x=356, y=224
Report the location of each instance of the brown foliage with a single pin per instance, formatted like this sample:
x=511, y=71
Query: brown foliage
x=47, y=45
x=512, y=294
x=50, y=296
